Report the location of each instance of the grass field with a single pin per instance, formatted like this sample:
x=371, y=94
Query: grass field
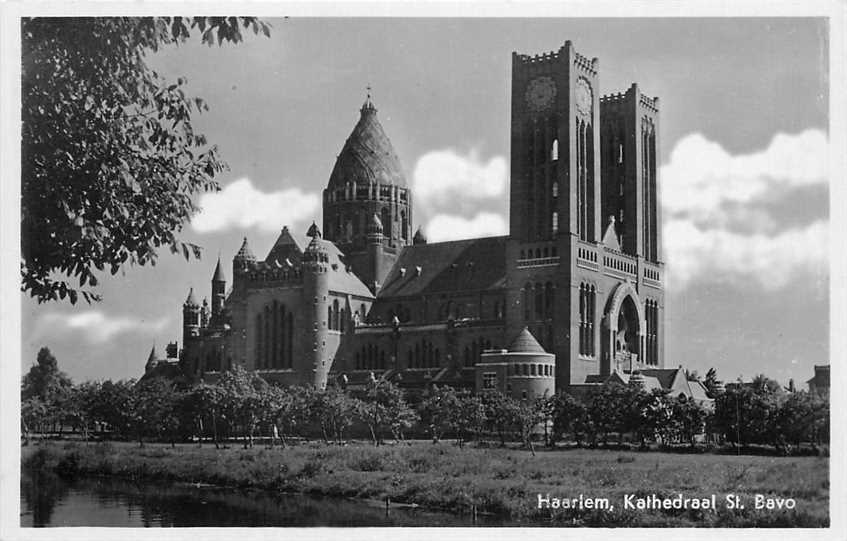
x=505, y=482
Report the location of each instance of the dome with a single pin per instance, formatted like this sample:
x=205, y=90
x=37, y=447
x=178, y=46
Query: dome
x=368, y=155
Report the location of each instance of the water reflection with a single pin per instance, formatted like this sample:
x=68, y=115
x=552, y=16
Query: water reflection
x=47, y=500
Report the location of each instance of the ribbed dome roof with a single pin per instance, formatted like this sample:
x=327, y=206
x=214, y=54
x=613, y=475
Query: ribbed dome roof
x=525, y=343
x=368, y=155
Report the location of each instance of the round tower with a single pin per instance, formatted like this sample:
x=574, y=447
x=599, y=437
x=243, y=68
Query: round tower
x=367, y=179
x=315, y=362
x=190, y=318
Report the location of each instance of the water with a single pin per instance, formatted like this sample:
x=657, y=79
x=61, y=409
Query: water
x=47, y=500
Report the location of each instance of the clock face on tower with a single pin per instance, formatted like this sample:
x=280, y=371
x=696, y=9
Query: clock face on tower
x=540, y=93
x=583, y=97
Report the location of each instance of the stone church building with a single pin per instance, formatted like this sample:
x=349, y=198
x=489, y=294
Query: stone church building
x=573, y=293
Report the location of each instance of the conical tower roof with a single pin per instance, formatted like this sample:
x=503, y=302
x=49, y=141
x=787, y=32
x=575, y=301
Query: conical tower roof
x=525, y=343
x=420, y=237
x=219, y=273
x=245, y=253
x=368, y=155
x=152, y=358
x=191, y=301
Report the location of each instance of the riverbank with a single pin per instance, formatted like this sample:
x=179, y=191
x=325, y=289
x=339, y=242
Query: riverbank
x=504, y=482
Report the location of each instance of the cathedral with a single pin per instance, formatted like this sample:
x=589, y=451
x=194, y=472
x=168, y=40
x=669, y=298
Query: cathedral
x=572, y=296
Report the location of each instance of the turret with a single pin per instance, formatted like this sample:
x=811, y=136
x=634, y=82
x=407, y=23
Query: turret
x=375, y=258
x=241, y=264
x=190, y=318
x=316, y=303
x=218, y=291
x=420, y=237
x=204, y=313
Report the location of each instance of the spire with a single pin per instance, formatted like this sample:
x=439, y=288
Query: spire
x=245, y=253
x=610, y=238
x=368, y=106
x=219, y=273
x=191, y=301
x=152, y=358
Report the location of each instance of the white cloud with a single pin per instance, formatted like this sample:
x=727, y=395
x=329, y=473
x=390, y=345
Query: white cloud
x=716, y=222
x=240, y=204
x=701, y=176
x=96, y=327
x=443, y=227
x=442, y=175
x=770, y=261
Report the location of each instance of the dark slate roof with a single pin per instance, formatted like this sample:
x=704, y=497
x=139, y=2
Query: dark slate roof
x=245, y=252
x=219, y=273
x=285, y=247
x=459, y=265
x=664, y=375
x=524, y=342
x=368, y=155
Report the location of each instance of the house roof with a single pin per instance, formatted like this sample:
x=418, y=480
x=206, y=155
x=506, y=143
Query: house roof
x=448, y=266
x=342, y=279
x=367, y=155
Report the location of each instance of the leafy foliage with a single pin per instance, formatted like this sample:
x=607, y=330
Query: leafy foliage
x=110, y=159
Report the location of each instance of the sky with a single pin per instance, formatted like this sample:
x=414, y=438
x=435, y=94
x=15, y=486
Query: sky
x=743, y=176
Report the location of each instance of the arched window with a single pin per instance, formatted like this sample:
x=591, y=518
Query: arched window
x=555, y=224
x=555, y=189
x=548, y=300
x=329, y=317
x=363, y=311
x=342, y=316
x=385, y=217
x=404, y=225
x=554, y=151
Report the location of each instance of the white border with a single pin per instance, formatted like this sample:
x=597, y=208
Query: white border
x=10, y=307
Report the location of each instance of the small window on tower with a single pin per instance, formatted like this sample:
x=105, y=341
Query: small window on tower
x=620, y=152
x=555, y=189
x=555, y=222
x=554, y=152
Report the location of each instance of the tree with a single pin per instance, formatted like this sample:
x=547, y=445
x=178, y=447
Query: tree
x=50, y=386
x=242, y=395
x=436, y=410
x=110, y=160
x=568, y=416
x=468, y=417
x=711, y=382
x=688, y=417
x=383, y=407
x=498, y=413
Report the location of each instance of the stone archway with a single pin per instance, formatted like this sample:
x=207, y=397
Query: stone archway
x=624, y=329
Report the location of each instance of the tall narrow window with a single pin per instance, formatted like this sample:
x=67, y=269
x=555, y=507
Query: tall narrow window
x=527, y=299
x=555, y=226
x=259, y=341
x=539, y=302
x=554, y=152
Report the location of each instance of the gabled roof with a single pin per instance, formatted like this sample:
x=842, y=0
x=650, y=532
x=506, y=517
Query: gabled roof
x=610, y=237
x=459, y=265
x=524, y=342
x=367, y=155
x=285, y=248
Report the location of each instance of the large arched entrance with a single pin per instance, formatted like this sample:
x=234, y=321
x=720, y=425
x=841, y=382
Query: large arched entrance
x=623, y=330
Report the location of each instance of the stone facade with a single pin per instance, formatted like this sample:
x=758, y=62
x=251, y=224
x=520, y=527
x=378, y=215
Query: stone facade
x=580, y=271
